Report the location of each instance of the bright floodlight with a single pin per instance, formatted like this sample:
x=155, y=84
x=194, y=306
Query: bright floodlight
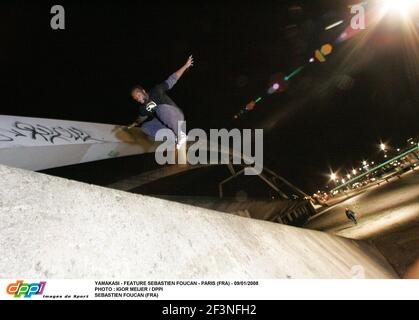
x=401, y=6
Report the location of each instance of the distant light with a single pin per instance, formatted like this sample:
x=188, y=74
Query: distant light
x=251, y=105
x=276, y=86
x=312, y=60
x=326, y=49
x=385, y=156
x=348, y=176
x=333, y=176
x=364, y=163
x=383, y=147
x=343, y=180
x=334, y=25
x=294, y=73
x=354, y=172
x=398, y=149
x=258, y=99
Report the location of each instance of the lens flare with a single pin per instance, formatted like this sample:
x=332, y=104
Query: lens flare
x=403, y=7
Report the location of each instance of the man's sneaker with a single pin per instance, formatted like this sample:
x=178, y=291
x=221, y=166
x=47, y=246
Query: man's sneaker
x=181, y=140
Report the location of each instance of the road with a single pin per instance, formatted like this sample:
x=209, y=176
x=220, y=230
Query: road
x=388, y=216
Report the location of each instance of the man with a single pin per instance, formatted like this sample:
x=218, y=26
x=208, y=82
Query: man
x=351, y=216
x=157, y=110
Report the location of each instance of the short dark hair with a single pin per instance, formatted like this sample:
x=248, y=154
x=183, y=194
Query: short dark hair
x=137, y=87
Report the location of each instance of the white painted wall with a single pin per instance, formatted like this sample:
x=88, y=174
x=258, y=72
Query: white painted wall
x=37, y=144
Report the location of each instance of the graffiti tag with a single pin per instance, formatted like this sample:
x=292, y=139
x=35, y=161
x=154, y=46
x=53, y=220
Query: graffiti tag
x=46, y=133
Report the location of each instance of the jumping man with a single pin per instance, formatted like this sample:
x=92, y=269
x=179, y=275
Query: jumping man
x=157, y=110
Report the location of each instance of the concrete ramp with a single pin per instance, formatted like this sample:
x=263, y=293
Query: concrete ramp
x=38, y=144
x=56, y=228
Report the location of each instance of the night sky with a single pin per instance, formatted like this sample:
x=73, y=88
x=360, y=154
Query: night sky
x=333, y=115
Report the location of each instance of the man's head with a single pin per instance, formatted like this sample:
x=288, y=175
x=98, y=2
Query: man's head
x=139, y=94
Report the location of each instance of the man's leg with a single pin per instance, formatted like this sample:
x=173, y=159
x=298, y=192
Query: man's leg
x=150, y=128
x=170, y=116
x=353, y=218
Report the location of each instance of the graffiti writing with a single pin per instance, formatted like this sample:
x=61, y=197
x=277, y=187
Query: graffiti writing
x=45, y=133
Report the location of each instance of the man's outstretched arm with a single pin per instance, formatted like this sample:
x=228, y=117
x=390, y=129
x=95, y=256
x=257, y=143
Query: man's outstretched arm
x=187, y=65
x=171, y=81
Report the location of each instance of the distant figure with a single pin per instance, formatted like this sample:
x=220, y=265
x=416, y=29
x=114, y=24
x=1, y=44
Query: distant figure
x=157, y=111
x=351, y=216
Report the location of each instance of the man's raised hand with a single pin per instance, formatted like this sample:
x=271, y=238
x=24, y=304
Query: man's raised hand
x=185, y=67
x=190, y=62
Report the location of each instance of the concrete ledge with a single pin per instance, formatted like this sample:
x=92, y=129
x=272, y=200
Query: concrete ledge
x=57, y=228
x=39, y=144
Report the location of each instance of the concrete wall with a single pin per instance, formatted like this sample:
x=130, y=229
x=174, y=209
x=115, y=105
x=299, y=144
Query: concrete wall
x=38, y=144
x=279, y=211
x=56, y=228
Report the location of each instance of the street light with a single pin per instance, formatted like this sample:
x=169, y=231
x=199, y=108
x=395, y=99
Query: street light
x=383, y=147
x=333, y=176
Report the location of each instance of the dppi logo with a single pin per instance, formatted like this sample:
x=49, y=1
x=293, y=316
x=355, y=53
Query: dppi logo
x=27, y=290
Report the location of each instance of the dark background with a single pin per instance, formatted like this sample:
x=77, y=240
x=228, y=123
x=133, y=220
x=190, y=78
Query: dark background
x=86, y=71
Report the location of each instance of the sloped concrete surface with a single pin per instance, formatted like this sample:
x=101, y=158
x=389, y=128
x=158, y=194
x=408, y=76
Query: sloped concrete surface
x=388, y=216
x=56, y=228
